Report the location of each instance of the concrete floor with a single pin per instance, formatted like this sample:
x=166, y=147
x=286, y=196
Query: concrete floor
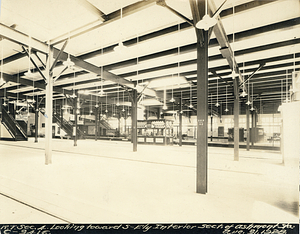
x=105, y=182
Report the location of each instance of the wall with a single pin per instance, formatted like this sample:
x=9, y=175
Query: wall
x=3, y=132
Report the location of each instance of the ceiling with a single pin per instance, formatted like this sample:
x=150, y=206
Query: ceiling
x=160, y=51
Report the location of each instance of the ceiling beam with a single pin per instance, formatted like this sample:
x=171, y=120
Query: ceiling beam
x=24, y=40
x=116, y=15
x=36, y=84
x=164, y=4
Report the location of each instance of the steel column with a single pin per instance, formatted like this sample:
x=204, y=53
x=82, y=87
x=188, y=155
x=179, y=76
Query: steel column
x=36, y=122
x=96, y=123
x=236, y=123
x=75, y=114
x=180, y=123
x=252, y=128
x=202, y=114
x=248, y=128
x=211, y=128
x=49, y=109
x=134, y=120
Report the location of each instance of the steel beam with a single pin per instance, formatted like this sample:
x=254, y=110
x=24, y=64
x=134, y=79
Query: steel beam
x=76, y=116
x=247, y=126
x=36, y=84
x=134, y=119
x=109, y=18
x=164, y=4
x=49, y=110
x=96, y=123
x=24, y=40
x=36, y=122
x=34, y=63
x=58, y=56
x=236, y=111
x=180, y=122
x=202, y=115
x=223, y=41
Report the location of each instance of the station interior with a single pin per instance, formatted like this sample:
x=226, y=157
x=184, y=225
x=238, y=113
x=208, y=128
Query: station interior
x=149, y=111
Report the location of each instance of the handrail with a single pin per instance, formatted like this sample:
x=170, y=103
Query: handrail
x=6, y=118
x=105, y=124
x=12, y=124
x=68, y=127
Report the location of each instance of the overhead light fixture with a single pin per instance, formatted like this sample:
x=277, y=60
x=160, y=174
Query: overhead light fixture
x=4, y=104
x=233, y=74
x=65, y=107
x=28, y=74
x=2, y=81
x=68, y=63
x=226, y=110
x=217, y=104
x=96, y=106
x=164, y=107
x=84, y=92
x=172, y=99
x=30, y=100
x=106, y=104
x=191, y=106
x=101, y=93
x=73, y=94
x=243, y=94
x=248, y=103
x=120, y=47
x=206, y=22
x=252, y=108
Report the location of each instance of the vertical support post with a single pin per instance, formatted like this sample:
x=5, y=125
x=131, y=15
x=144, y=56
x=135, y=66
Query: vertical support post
x=247, y=126
x=75, y=114
x=36, y=122
x=236, y=123
x=125, y=124
x=252, y=128
x=61, y=112
x=202, y=114
x=96, y=123
x=49, y=109
x=180, y=123
x=134, y=120
x=211, y=127
x=119, y=124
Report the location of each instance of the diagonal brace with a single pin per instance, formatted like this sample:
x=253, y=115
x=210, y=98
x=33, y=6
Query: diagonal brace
x=58, y=56
x=36, y=66
x=260, y=66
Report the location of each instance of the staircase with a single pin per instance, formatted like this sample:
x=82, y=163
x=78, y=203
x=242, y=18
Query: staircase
x=105, y=124
x=17, y=132
x=67, y=126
